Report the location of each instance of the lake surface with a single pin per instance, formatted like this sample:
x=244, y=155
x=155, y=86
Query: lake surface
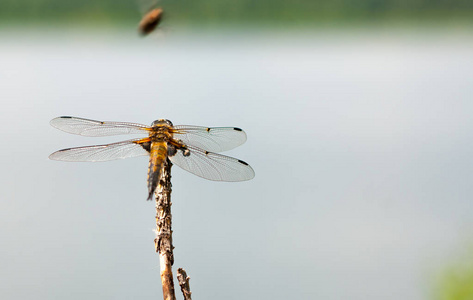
x=361, y=142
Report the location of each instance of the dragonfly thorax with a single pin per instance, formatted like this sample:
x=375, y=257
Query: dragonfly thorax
x=160, y=130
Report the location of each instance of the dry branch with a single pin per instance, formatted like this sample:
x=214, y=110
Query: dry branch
x=183, y=280
x=163, y=241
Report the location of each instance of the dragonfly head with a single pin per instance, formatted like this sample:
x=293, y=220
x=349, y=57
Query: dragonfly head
x=161, y=122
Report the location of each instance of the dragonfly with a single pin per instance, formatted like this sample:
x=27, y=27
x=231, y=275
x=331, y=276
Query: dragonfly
x=193, y=148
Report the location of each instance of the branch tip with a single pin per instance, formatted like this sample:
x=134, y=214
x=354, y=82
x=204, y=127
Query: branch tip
x=183, y=280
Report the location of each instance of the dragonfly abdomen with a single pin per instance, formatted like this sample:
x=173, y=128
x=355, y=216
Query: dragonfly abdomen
x=157, y=156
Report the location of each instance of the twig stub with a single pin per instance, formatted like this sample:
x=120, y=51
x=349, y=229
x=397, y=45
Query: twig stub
x=183, y=280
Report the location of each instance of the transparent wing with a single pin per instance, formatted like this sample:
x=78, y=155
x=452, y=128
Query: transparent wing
x=146, y=5
x=213, y=166
x=213, y=139
x=130, y=148
x=88, y=127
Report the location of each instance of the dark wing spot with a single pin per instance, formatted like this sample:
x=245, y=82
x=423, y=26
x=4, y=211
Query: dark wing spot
x=208, y=129
x=242, y=162
x=237, y=129
x=101, y=122
x=171, y=150
x=145, y=145
x=66, y=117
x=207, y=152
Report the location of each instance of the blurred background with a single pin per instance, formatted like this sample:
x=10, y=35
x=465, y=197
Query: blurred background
x=284, y=13
x=358, y=116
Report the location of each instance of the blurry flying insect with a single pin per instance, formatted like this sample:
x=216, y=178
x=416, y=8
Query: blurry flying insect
x=152, y=16
x=190, y=147
x=150, y=21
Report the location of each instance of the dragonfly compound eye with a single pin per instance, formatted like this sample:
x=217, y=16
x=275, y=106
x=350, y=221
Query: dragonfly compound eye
x=161, y=122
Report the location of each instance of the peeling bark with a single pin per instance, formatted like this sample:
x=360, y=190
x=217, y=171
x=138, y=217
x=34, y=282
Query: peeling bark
x=163, y=241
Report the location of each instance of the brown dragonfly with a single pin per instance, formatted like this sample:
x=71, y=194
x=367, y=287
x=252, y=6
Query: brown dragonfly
x=192, y=148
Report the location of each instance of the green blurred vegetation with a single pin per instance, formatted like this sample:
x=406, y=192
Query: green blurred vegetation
x=220, y=11
x=456, y=281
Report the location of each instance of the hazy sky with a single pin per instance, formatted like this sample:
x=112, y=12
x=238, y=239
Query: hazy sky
x=361, y=143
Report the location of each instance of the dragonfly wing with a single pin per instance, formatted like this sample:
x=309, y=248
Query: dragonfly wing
x=88, y=127
x=212, y=166
x=213, y=139
x=147, y=5
x=130, y=148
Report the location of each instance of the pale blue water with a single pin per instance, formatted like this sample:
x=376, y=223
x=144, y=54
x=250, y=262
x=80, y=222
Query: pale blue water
x=361, y=143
